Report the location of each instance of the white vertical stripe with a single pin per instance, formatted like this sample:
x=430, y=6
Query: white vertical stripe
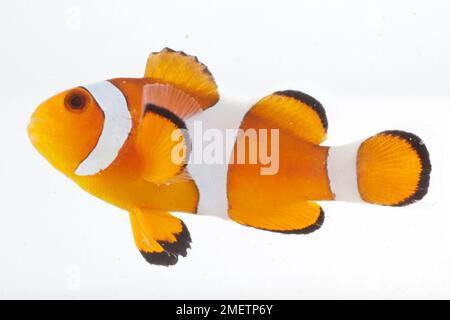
x=211, y=178
x=116, y=128
x=342, y=172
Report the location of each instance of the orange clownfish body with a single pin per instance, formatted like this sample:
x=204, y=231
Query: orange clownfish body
x=139, y=144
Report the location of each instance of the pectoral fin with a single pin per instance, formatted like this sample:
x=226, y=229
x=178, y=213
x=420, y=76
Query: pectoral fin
x=163, y=144
x=171, y=98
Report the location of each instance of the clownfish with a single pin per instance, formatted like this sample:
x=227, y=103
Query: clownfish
x=135, y=143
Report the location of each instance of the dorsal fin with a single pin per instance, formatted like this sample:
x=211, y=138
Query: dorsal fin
x=185, y=72
x=294, y=111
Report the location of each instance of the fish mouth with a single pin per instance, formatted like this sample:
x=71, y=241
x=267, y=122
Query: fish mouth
x=38, y=130
x=42, y=139
x=31, y=130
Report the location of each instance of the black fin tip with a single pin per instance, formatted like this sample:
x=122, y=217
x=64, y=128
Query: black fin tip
x=424, y=156
x=308, y=100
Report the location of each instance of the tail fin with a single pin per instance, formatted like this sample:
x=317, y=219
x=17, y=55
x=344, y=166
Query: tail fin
x=393, y=169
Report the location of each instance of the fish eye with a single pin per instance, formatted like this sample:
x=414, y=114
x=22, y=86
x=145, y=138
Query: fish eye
x=76, y=101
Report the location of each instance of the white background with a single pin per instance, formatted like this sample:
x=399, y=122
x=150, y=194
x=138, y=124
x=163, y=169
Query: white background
x=374, y=65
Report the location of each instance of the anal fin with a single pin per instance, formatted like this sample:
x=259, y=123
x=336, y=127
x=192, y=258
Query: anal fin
x=300, y=218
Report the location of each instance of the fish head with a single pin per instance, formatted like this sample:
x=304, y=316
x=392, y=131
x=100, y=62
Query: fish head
x=66, y=127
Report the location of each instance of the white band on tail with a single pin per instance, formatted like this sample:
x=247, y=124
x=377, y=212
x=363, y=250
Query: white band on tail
x=116, y=128
x=343, y=173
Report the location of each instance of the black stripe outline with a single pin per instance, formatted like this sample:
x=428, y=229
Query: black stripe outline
x=103, y=124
